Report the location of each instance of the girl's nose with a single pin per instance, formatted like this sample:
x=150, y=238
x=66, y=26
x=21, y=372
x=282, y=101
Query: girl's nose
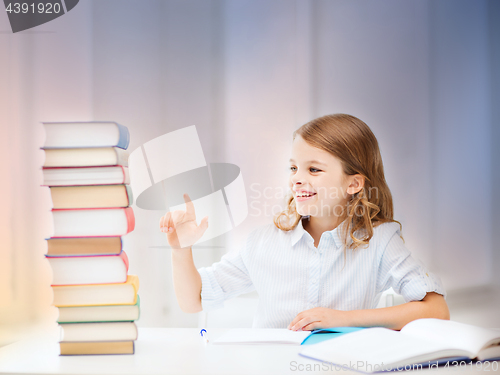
x=298, y=178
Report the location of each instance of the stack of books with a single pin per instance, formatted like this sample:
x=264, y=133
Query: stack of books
x=86, y=170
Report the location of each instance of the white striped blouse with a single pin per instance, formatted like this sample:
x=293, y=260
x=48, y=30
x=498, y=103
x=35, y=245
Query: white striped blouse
x=291, y=275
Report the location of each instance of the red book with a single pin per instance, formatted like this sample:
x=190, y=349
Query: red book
x=100, y=222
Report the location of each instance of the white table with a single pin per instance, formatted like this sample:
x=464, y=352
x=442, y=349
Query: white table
x=164, y=351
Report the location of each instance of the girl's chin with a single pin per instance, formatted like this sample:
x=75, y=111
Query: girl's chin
x=303, y=211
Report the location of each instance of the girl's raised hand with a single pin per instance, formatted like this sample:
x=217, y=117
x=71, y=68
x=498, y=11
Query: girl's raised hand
x=181, y=228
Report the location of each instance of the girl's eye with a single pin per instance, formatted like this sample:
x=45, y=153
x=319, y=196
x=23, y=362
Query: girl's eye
x=313, y=170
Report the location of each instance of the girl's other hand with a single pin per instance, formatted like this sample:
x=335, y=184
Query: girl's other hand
x=319, y=317
x=181, y=228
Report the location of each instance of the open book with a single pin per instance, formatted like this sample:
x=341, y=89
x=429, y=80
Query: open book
x=281, y=335
x=422, y=341
x=262, y=336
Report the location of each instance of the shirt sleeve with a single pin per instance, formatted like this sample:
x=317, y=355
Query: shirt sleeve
x=225, y=279
x=406, y=275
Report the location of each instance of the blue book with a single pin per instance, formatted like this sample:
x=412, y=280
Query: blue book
x=320, y=335
x=85, y=134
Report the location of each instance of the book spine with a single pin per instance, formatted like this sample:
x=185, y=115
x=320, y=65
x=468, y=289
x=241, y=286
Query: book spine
x=129, y=213
x=124, y=137
x=130, y=197
x=121, y=157
x=138, y=304
x=126, y=176
x=136, y=330
x=134, y=281
x=124, y=257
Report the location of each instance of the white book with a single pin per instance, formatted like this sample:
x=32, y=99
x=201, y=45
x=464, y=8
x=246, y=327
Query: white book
x=85, y=134
x=85, y=157
x=419, y=342
x=113, y=331
x=97, y=294
x=86, y=176
x=100, y=269
x=107, y=313
x=93, y=222
x=262, y=336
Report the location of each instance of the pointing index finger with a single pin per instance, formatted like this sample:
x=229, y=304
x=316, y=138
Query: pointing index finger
x=189, y=205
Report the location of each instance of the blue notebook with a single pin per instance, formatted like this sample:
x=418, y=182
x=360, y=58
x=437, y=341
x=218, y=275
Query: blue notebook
x=324, y=334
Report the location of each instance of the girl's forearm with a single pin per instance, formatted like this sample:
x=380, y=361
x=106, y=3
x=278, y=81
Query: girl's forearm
x=187, y=280
x=396, y=317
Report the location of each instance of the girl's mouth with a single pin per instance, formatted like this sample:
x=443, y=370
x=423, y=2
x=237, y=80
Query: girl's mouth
x=301, y=197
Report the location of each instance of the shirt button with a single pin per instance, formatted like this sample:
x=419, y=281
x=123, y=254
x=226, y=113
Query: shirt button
x=314, y=281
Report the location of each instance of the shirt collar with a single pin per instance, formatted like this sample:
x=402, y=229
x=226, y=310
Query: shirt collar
x=299, y=231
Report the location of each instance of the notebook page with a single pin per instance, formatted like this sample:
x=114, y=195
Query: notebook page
x=453, y=334
x=374, y=346
x=262, y=336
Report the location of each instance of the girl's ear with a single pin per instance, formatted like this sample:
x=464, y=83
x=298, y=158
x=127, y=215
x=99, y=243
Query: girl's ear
x=356, y=183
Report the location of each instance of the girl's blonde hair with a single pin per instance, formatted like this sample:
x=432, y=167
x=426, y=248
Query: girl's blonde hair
x=350, y=140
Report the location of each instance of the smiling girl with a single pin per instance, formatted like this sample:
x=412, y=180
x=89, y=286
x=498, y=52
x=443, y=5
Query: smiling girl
x=327, y=258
